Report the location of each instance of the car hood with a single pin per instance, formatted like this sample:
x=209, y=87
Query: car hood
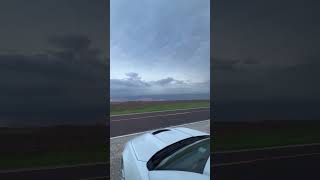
x=146, y=145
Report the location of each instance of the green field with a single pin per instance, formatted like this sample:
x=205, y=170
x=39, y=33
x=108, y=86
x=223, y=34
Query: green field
x=52, y=146
x=265, y=134
x=53, y=158
x=56, y=146
x=151, y=106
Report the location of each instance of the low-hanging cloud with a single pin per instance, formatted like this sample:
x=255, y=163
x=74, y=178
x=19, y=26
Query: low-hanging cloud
x=63, y=79
x=235, y=80
x=134, y=85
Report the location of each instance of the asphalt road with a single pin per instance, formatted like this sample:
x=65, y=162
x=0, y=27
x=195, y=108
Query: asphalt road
x=300, y=162
x=120, y=125
x=85, y=172
x=128, y=124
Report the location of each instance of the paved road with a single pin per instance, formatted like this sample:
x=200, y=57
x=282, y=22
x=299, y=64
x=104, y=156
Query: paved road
x=120, y=125
x=86, y=172
x=128, y=124
x=301, y=162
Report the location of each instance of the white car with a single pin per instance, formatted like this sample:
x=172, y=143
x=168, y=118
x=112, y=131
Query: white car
x=167, y=154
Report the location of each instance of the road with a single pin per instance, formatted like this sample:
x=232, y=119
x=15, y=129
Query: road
x=83, y=172
x=120, y=125
x=288, y=162
x=147, y=121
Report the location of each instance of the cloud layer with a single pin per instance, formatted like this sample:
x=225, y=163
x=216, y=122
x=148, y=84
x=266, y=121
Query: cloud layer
x=160, y=38
x=134, y=86
x=60, y=81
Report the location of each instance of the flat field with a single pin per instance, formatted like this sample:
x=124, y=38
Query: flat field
x=234, y=136
x=118, y=108
x=52, y=146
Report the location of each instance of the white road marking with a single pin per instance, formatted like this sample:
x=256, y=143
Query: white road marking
x=160, y=111
x=52, y=168
x=266, y=148
x=263, y=159
x=162, y=115
x=158, y=128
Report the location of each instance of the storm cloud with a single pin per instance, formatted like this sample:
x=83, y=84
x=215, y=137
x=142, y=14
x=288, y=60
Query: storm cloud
x=135, y=86
x=265, y=60
x=63, y=79
x=53, y=62
x=160, y=39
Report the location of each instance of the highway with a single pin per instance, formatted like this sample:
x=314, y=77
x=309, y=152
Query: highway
x=122, y=125
x=78, y=172
x=280, y=162
x=133, y=123
x=284, y=162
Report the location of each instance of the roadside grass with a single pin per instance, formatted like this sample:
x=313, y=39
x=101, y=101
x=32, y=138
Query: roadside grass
x=52, y=146
x=265, y=135
x=147, y=106
x=40, y=159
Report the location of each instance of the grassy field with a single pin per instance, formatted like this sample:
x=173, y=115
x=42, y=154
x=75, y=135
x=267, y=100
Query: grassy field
x=45, y=147
x=53, y=158
x=233, y=136
x=55, y=146
x=150, y=106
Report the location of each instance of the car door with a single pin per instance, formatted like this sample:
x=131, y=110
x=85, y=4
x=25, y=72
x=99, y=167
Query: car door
x=176, y=175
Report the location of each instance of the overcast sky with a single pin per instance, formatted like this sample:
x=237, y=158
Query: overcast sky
x=53, y=62
x=265, y=58
x=159, y=47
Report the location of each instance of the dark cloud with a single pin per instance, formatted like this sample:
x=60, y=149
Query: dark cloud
x=134, y=86
x=235, y=80
x=158, y=36
x=132, y=76
x=267, y=60
x=168, y=81
x=251, y=61
x=72, y=42
x=53, y=82
x=225, y=64
x=263, y=93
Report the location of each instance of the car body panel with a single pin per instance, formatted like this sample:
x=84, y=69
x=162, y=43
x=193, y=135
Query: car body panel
x=145, y=146
x=132, y=168
x=139, y=150
x=176, y=175
x=206, y=170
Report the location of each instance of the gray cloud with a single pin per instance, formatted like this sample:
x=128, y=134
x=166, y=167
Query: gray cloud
x=168, y=81
x=134, y=85
x=159, y=36
x=255, y=82
x=132, y=76
x=225, y=64
x=73, y=42
x=282, y=41
x=55, y=81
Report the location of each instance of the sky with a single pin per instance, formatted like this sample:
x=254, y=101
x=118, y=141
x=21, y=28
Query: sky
x=53, y=62
x=265, y=60
x=53, y=57
x=159, y=48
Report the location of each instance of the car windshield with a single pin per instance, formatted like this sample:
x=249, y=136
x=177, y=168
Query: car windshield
x=191, y=158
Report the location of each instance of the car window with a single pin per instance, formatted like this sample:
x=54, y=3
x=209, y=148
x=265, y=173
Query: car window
x=155, y=160
x=190, y=158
